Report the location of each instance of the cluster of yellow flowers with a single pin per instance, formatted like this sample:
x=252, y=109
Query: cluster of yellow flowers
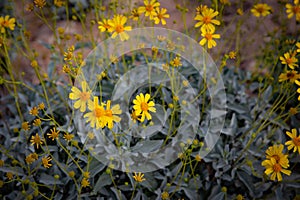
x=276, y=162
x=72, y=61
x=152, y=10
x=101, y=115
x=207, y=24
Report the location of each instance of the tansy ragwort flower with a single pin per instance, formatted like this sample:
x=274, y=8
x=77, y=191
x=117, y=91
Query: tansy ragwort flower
x=142, y=106
x=104, y=26
x=292, y=10
x=275, y=169
x=96, y=114
x=295, y=142
x=46, y=162
x=81, y=97
x=149, y=8
x=135, y=15
x=275, y=152
x=289, y=59
x=208, y=38
x=139, y=177
x=117, y=26
x=206, y=20
x=54, y=134
x=261, y=9
x=292, y=76
x=7, y=22
x=36, y=140
x=160, y=16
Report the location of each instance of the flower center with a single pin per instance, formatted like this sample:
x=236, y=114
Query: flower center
x=277, y=167
x=84, y=96
x=99, y=112
x=149, y=8
x=160, y=16
x=296, y=9
x=119, y=28
x=144, y=106
x=296, y=141
x=289, y=61
x=6, y=23
x=260, y=9
x=208, y=36
x=206, y=20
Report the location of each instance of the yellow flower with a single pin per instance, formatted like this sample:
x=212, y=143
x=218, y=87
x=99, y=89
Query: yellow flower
x=68, y=136
x=34, y=64
x=85, y=182
x=104, y=25
x=232, y=54
x=261, y=9
x=165, y=195
x=31, y=158
x=118, y=27
x=149, y=8
x=25, y=126
x=5, y=22
x=9, y=175
x=292, y=10
x=135, y=15
x=206, y=20
x=239, y=197
x=37, y=122
x=160, y=16
x=45, y=162
x=81, y=97
x=141, y=106
x=54, y=134
x=41, y=106
x=240, y=12
x=293, y=111
x=176, y=62
x=275, y=169
x=97, y=114
x=110, y=114
x=295, y=142
x=39, y=3
x=86, y=174
x=198, y=158
x=289, y=59
x=139, y=177
x=36, y=140
x=59, y=3
x=275, y=152
x=134, y=117
x=292, y=76
x=208, y=37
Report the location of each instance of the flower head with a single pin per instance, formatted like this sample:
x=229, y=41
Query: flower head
x=81, y=97
x=261, y=9
x=135, y=15
x=176, y=62
x=36, y=140
x=39, y=3
x=289, y=59
x=208, y=38
x=294, y=142
x=142, y=106
x=149, y=8
x=160, y=16
x=54, y=134
x=206, y=20
x=68, y=136
x=292, y=76
x=275, y=169
x=85, y=182
x=31, y=158
x=292, y=10
x=45, y=162
x=97, y=115
x=103, y=26
x=275, y=152
x=117, y=26
x=25, y=126
x=6, y=22
x=139, y=177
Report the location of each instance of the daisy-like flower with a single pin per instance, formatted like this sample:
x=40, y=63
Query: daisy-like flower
x=289, y=60
x=275, y=169
x=97, y=115
x=36, y=140
x=135, y=15
x=103, y=26
x=149, y=8
x=142, y=106
x=81, y=97
x=54, y=134
x=111, y=114
x=208, y=37
x=206, y=20
x=275, y=152
x=160, y=16
x=292, y=76
x=25, y=126
x=85, y=183
x=7, y=22
x=176, y=62
x=139, y=177
x=68, y=136
x=261, y=9
x=46, y=162
x=292, y=10
x=39, y=3
x=31, y=158
x=295, y=142
x=118, y=27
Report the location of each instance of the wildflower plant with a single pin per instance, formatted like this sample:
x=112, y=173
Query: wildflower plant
x=102, y=102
